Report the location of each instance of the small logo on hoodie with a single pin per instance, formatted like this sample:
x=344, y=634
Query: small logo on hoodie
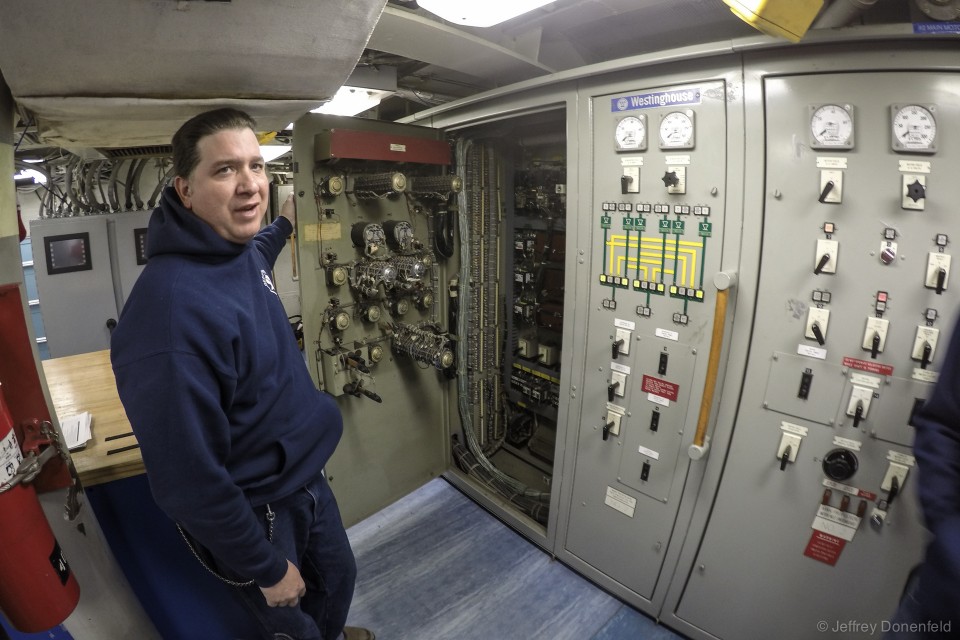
x=268, y=283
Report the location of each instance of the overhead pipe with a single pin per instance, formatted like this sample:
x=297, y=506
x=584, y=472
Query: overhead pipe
x=841, y=13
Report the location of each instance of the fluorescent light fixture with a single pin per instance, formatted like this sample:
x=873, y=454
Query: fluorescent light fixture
x=38, y=178
x=350, y=101
x=480, y=13
x=271, y=152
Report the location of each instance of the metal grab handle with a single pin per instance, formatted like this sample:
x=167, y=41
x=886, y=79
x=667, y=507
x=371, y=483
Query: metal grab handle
x=700, y=439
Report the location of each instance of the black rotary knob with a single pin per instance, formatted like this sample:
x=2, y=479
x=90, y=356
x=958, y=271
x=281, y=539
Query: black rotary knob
x=840, y=464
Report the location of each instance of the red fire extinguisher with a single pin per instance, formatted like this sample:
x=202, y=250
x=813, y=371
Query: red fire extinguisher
x=37, y=589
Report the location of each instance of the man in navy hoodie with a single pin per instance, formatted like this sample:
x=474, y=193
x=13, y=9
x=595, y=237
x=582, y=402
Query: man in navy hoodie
x=233, y=432
x=930, y=607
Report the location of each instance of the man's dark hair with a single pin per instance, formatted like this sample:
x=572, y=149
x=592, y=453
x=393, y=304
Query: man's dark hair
x=185, y=154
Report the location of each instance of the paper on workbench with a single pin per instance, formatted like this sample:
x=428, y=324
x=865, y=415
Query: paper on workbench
x=76, y=429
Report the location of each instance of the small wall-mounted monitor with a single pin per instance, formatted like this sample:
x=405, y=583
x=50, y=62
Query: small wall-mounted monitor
x=140, y=244
x=68, y=252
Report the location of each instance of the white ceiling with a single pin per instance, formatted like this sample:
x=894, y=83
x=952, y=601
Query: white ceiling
x=118, y=73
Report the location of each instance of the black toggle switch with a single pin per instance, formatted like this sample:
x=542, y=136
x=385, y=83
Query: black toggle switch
x=670, y=179
x=941, y=279
x=827, y=188
x=915, y=191
x=606, y=430
x=894, y=490
x=662, y=369
x=625, y=184
x=612, y=390
x=615, y=353
x=645, y=471
x=806, y=379
x=824, y=259
x=875, y=346
x=858, y=414
x=925, y=358
x=817, y=333
x=655, y=421
x=785, y=458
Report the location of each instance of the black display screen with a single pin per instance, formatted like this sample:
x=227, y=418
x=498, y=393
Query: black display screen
x=66, y=253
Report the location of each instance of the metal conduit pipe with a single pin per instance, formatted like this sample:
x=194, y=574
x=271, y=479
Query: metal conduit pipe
x=840, y=13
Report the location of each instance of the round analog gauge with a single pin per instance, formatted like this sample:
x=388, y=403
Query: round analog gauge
x=832, y=127
x=631, y=134
x=914, y=129
x=676, y=130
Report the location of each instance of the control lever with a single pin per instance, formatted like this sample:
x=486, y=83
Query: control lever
x=625, y=183
x=616, y=350
x=941, y=278
x=612, y=389
x=925, y=358
x=356, y=389
x=894, y=490
x=827, y=188
x=875, y=346
x=606, y=430
x=858, y=414
x=824, y=259
x=785, y=458
x=356, y=361
x=817, y=333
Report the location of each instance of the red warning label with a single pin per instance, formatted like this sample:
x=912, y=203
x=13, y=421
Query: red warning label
x=866, y=365
x=661, y=388
x=824, y=547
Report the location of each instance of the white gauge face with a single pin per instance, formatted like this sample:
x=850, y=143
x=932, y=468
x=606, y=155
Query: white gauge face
x=676, y=130
x=631, y=134
x=832, y=126
x=914, y=129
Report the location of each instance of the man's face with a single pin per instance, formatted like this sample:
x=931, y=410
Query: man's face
x=228, y=189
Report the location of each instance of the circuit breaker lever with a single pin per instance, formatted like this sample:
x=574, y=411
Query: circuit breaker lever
x=875, y=346
x=606, y=430
x=941, y=279
x=894, y=490
x=615, y=352
x=827, y=188
x=817, y=333
x=824, y=259
x=925, y=358
x=858, y=414
x=612, y=390
x=785, y=458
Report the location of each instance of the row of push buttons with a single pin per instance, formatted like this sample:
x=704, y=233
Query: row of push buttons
x=679, y=209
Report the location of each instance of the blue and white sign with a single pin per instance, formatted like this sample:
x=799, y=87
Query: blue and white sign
x=670, y=98
x=936, y=27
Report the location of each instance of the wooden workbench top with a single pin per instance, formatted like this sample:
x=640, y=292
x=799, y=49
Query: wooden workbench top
x=85, y=382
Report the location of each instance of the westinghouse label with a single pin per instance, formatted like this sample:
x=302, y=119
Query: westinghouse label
x=656, y=99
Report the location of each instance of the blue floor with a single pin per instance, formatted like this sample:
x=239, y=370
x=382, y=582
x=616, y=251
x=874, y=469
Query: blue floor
x=436, y=566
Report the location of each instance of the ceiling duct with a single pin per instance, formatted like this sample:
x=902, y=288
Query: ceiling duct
x=841, y=13
x=940, y=9
x=131, y=71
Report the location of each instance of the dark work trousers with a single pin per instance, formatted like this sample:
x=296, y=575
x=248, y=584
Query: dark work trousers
x=309, y=532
